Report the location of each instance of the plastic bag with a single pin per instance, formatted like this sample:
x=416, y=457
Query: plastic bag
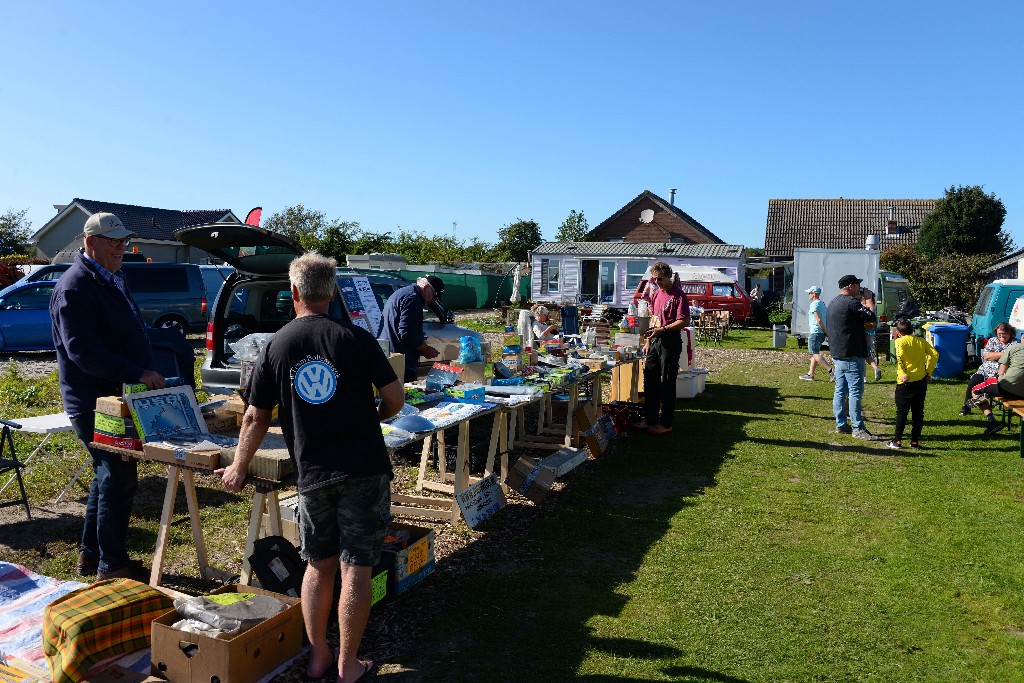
x=469, y=350
x=643, y=309
x=249, y=346
x=233, y=617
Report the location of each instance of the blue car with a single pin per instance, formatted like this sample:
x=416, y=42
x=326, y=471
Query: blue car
x=25, y=316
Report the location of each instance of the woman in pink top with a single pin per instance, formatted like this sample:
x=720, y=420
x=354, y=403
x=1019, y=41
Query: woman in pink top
x=670, y=313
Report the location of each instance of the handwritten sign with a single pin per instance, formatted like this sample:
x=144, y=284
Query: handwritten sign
x=419, y=554
x=481, y=500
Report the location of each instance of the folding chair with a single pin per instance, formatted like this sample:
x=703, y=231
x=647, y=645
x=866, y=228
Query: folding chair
x=570, y=316
x=10, y=463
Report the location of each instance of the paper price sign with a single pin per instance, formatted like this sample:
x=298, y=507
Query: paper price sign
x=418, y=556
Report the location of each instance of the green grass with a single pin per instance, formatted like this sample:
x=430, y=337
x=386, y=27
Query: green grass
x=753, y=544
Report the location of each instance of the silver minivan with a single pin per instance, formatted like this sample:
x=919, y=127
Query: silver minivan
x=256, y=297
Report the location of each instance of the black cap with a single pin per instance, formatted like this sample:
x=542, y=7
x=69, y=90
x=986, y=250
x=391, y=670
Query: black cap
x=847, y=280
x=437, y=283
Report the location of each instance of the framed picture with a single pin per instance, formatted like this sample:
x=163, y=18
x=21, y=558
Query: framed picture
x=170, y=413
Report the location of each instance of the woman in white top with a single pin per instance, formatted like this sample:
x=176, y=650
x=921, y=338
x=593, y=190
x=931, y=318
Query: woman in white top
x=541, y=329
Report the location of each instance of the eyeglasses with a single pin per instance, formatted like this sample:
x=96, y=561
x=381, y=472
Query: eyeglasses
x=122, y=242
x=660, y=278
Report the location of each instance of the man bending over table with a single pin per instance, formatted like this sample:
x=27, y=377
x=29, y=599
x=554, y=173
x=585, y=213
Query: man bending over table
x=321, y=372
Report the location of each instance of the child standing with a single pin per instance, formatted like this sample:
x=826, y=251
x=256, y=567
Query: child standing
x=915, y=361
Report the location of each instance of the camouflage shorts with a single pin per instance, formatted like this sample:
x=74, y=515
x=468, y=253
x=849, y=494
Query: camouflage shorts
x=348, y=519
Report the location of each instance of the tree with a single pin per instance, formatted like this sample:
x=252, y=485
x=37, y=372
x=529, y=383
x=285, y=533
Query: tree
x=573, y=228
x=301, y=224
x=516, y=241
x=947, y=280
x=965, y=221
x=14, y=232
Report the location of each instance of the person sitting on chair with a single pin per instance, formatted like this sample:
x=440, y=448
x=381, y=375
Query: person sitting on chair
x=542, y=329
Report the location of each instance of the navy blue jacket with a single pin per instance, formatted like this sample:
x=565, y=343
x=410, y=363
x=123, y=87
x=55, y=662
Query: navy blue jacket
x=844, y=323
x=403, y=324
x=101, y=342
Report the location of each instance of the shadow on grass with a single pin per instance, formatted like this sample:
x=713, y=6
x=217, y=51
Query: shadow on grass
x=520, y=602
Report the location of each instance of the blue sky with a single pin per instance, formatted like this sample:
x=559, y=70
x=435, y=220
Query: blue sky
x=421, y=114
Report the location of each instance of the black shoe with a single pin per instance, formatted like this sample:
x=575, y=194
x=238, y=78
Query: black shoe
x=915, y=446
x=87, y=563
x=993, y=427
x=966, y=410
x=134, y=570
x=845, y=429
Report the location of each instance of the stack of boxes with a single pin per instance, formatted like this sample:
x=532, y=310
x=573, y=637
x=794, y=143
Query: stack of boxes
x=114, y=424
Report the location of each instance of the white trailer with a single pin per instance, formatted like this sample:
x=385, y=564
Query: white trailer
x=824, y=267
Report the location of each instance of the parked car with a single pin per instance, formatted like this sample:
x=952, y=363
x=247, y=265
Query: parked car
x=169, y=295
x=995, y=303
x=256, y=297
x=712, y=292
x=213, y=279
x=25, y=316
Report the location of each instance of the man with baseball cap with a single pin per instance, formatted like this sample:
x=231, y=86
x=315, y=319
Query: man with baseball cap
x=101, y=343
x=403, y=322
x=845, y=319
x=816, y=315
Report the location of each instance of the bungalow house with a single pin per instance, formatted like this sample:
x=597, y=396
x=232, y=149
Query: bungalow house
x=609, y=272
x=841, y=223
x=154, y=227
x=608, y=265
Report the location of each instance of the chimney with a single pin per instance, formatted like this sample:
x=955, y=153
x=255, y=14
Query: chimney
x=891, y=228
x=672, y=196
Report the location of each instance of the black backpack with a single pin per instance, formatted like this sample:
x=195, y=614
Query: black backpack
x=278, y=565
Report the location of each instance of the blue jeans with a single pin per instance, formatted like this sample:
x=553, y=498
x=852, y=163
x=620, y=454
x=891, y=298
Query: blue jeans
x=849, y=382
x=109, y=509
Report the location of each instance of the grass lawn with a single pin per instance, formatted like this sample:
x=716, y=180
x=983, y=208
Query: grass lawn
x=752, y=544
x=755, y=544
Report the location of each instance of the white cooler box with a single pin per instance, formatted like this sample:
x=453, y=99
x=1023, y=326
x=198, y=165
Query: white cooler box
x=687, y=385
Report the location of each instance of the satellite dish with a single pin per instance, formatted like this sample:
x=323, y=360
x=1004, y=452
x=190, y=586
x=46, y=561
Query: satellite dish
x=647, y=215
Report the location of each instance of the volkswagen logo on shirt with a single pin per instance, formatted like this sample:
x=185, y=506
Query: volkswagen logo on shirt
x=315, y=382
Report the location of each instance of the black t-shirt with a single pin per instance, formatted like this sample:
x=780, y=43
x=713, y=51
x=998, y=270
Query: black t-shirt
x=320, y=372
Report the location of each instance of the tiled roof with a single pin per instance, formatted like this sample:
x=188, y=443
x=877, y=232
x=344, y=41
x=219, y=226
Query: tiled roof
x=841, y=223
x=640, y=249
x=156, y=224
x=712, y=237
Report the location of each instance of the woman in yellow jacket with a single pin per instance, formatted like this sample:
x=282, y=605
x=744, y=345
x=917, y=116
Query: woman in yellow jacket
x=915, y=361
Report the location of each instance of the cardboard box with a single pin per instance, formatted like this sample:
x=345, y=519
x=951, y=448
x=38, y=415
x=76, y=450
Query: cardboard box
x=126, y=442
x=271, y=460
x=208, y=460
x=397, y=361
x=220, y=421
x=466, y=393
x=115, y=426
x=530, y=479
x=415, y=562
x=595, y=432
x=563, y=461
x=244, y=658
x=112, y=405
x=289, y=506
x=475, y=373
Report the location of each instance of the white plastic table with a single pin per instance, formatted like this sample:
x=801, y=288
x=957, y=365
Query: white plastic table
x=48, y=425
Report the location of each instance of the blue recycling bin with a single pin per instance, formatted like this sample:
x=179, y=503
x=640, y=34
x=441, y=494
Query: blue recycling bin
x=951, y=343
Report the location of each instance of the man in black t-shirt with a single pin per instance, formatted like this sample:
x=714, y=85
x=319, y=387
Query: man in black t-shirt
x=321, y=373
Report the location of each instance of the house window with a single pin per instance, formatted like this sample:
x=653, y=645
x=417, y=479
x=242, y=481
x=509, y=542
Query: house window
x=616, y=239
x=549, y=273
x=678, y=239
x=635, y=273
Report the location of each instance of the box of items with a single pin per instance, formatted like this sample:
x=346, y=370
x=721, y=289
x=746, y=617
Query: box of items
x=176, y=455
x=466, y=393
x=252, y=654
x=530, y=479
x=112, y=405
x=475, y=373
x=408, y=556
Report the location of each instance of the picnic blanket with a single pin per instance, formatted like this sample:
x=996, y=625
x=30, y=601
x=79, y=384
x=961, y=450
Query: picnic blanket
x=108, y=618
x=23, y=596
